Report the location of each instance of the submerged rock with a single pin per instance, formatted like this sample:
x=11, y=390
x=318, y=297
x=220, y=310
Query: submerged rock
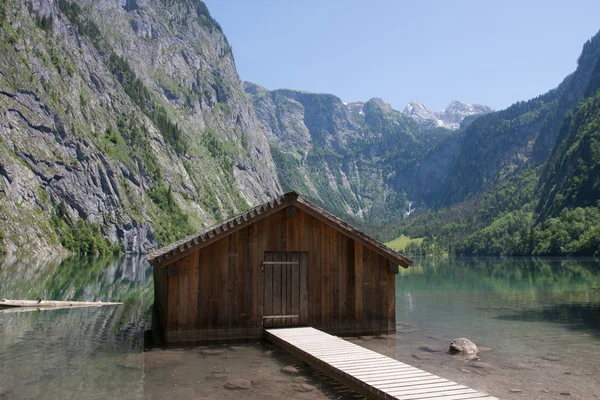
x=304, y=387
x=462, y=346
x=238, y=384
x=431, y=349
x=551, y=358
x=4, y=391
x=211, y=352
x=481, y=365
x=290, y=370
x=422, y=356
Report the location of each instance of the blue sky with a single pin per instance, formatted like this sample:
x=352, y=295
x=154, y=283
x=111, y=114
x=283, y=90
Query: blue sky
x=484, y=51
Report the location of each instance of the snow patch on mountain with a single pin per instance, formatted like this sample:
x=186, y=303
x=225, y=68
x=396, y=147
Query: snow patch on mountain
x=449, y=118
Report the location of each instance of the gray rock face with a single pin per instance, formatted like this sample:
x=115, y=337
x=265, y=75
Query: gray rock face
x=71, y=133
x=346, y=156
x=462, y=346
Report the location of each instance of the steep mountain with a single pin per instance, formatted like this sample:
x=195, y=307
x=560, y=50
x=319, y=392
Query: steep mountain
x=122, y=123
x=497, y=145
x=344, y=156
x=450, y=118
x=572, y=175
x=525, y=180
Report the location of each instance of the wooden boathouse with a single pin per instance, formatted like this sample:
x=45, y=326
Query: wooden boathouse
x=284, y=263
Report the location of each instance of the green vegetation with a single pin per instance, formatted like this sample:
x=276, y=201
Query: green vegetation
x=404, y=243
x=2, y=12
x=45, y=23
x=552, y=213
x=81, y=236
x=172, y=223
x=572, y=176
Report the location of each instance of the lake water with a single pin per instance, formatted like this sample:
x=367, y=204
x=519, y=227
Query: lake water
x=538, y=322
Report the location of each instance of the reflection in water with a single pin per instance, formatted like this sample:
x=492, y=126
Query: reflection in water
x=538, y=316
x=74, y=353
x=582, y=317
x=539, y=319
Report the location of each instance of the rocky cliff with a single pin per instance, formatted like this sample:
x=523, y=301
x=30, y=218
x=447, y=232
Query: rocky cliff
x=346, y=156
x=121, y=119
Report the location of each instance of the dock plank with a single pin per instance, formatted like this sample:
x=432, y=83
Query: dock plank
x=367, y=372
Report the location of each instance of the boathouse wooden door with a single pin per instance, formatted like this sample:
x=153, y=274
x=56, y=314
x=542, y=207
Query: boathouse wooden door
x=286, y=289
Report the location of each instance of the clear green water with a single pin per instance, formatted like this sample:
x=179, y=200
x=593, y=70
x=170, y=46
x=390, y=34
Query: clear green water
x=539, y=319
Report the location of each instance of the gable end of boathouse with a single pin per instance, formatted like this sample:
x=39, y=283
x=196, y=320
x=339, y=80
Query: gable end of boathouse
x=286, y=262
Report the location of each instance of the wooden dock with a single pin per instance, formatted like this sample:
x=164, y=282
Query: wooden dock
x=367, y=372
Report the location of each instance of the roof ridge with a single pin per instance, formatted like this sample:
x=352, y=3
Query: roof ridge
x=174, y=251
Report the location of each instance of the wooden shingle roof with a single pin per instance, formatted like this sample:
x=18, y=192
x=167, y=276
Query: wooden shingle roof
x=175, y=251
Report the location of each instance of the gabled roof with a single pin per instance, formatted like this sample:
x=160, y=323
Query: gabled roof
x=175, y=251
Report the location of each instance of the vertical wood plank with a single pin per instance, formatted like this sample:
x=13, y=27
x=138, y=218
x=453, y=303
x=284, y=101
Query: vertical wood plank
x=262, y=240
x=335, y=280
x=193, y=290
x=326, y=277
x=290, y=233
x=173, y=285
x=366, y=293
x=232, y=278
x=276, y=288
x=391, y=295
x=299, y=229
x=243, y=275
x=304, y=260
x=381, y=314
x=351, y=285
x=203, y=296
x=315, y=276
x=372, y=257
x=359, y=289
x=343, y=279
x=223, y=286
x=294, y=308
x=268, y=293
x=282, y=231
x=284, y=288
x=183, y=293
x=213, y=287
x=254, y=269
x=383, y=274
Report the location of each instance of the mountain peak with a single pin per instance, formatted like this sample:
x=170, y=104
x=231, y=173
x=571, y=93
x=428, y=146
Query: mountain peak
x=450, y=117
x=421, y=114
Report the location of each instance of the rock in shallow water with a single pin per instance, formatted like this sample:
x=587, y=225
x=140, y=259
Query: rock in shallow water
x=290, y=370
x=211, y=352
x=462, y=346
x=431, y=349
x=551, y=358
x=422, y=356
x=4, y=391
x=238, y=384
x=304, y=387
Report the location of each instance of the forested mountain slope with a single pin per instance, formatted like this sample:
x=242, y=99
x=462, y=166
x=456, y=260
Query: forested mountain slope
x=546, y=201
x=122, y=124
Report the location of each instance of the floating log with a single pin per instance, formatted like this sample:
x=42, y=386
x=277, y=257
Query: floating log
x=52, y=303
x=13, y=310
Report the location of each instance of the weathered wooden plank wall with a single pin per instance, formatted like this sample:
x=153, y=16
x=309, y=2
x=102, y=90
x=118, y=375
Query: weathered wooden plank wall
x=218, y=293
